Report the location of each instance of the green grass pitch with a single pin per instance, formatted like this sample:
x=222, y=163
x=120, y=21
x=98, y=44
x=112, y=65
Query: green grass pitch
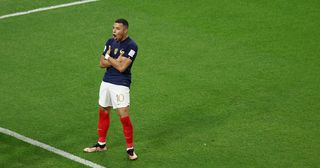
x=215, y=84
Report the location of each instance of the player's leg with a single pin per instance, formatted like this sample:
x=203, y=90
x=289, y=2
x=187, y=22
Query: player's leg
x=103, y=124
x=104, y=119
x=120, y=97
x=127, y=125
x=127, y=131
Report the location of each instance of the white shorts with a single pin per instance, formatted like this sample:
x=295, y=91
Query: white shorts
x=113, y=95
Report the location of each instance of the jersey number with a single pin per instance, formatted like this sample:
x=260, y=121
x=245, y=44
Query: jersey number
x=120, y=97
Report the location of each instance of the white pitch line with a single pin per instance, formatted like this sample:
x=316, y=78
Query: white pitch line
x=50, y=148
x=46, y=8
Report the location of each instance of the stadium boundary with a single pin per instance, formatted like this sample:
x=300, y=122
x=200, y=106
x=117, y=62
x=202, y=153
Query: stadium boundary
x=49, y=148
x=46, y=8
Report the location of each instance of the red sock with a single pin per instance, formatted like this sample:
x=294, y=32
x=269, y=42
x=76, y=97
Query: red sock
x=103, y=125
x=127, y=130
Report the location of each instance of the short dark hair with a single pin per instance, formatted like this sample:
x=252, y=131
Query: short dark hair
x=123, y=21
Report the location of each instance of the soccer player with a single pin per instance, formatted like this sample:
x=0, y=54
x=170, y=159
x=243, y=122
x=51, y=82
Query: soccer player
x=118, y=56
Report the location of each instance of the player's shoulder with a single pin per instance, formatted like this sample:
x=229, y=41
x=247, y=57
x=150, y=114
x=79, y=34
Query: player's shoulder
x=132, y=43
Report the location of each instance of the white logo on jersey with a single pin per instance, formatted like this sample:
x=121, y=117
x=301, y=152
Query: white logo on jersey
x=131, y=53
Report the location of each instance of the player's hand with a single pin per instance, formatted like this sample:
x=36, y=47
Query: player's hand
x=120, y=56
x=109, y=50
x=121, y=53
x=107, y=55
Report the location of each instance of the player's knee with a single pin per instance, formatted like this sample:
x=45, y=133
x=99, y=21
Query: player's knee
x=123, y=111
x=105, y=109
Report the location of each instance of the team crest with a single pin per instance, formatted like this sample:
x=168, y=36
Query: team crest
x=115, y=51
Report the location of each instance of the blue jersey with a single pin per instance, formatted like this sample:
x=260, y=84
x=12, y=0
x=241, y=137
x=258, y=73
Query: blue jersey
x=130, y=49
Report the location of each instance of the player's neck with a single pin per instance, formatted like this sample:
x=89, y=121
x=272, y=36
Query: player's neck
x=124, y=38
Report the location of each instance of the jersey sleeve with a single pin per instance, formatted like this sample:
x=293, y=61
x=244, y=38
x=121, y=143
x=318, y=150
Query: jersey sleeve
x=106, y=47
x=131, y=51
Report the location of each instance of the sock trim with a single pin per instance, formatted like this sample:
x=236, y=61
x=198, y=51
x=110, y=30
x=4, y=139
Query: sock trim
x=101, y=143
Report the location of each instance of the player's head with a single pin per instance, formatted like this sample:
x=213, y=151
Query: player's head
x=120, y=29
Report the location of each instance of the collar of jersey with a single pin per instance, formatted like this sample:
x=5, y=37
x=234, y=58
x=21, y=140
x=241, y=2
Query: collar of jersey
x=124, y=40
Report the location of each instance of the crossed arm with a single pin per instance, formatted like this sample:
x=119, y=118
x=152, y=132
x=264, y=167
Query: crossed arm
x=121, y=63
